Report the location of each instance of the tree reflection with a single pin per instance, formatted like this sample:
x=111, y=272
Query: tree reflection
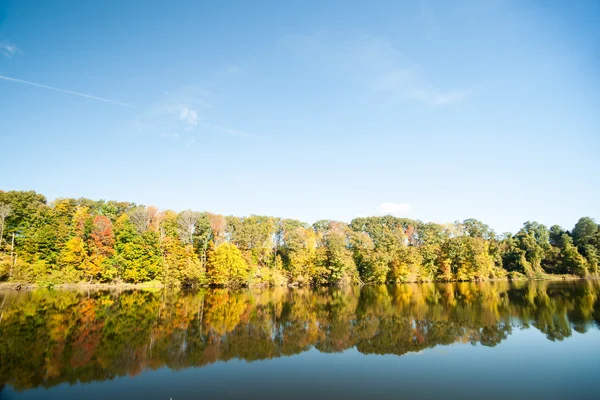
x=51, y=337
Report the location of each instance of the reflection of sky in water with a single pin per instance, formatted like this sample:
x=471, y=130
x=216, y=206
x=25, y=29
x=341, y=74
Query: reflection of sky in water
x=524, y=365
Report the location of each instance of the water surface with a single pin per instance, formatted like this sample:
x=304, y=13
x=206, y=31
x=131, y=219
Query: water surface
x=421, y=341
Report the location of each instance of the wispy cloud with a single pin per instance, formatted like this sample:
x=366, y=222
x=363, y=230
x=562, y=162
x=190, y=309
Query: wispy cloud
x=428, y=18
x=227, y=131
x=9, y=49
x=434, y=97
x=395, y=208
x=87, y=96
x=453, y=96
x=393, y=79
x=176, y=111
x=189, y=117
x=374, y=66
x=402, y=79
x=183, y=113
x=233, y=70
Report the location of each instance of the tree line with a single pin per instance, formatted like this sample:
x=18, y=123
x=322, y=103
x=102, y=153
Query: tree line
x=51, y=337
x=81, y=240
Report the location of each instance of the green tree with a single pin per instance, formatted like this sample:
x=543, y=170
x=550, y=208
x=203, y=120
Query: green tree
x=337, y=263
x=585, y=232
x=372, y=264
x=138, y=256
x=298, y=251
x=573, y=262
x=24, y=206
x=477, y=229
x=254, y=236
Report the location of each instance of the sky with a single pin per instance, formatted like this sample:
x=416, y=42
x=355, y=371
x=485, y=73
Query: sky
x=432, y=110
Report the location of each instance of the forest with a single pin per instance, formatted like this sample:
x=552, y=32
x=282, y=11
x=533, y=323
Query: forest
x=86, y=241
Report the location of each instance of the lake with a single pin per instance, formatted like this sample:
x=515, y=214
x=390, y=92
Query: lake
x=495, y=340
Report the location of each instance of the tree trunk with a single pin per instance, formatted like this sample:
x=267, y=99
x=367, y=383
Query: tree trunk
x=13, y=260
x=1, y=231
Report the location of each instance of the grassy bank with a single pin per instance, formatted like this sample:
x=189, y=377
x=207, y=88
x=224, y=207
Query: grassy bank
x=82, y=285
x=159, y=285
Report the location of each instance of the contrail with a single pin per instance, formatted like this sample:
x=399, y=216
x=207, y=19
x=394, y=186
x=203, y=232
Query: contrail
x=87, y=96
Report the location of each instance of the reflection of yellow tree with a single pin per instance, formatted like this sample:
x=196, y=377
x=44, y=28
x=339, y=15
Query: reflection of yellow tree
x=49, y=337
x=224, y=310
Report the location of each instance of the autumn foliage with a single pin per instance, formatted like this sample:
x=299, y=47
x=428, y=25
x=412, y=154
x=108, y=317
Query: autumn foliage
x=80, y=240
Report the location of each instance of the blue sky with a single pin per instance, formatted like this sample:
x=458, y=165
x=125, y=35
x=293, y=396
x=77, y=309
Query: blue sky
x=436, y=110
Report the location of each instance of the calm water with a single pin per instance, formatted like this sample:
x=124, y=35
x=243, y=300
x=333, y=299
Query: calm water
x=459, y=341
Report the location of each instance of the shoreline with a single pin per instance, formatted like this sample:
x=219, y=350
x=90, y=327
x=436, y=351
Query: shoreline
x=9, y=286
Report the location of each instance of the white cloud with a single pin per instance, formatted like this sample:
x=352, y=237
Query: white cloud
x=9, y=49
x=395, y=208
x=189, y=117
x=175, y=112
x=182, y=113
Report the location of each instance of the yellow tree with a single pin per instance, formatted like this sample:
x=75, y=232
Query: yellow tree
x=181, y=264
x=72, y=258
x=226, y=266
x=405, y=266
x=79, y=221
